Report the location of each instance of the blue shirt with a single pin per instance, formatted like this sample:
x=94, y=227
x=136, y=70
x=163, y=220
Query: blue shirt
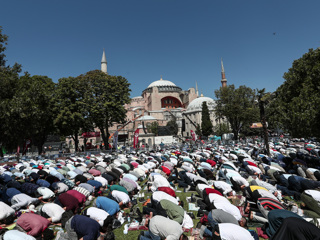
x=107, y=204
x=43, y=183
x=85, y=227
x=95, y=184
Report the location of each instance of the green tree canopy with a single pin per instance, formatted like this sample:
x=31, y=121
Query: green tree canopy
x=237, y=106
x=153, y=128
x=173, y=127
x=221, y=128
x=206, y=124
x=297, y=100
x=105, y=97
x=71, y=111
x=9, y=81
x=35, y=104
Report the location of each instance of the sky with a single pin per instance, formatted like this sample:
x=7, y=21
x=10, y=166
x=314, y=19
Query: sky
x=181, y=40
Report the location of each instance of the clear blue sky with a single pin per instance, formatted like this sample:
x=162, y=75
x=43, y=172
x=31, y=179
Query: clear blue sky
x=181, y=40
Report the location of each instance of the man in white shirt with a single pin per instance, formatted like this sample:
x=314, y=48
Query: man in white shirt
x=97, y=214
x=53, y=212
x=231, y=231
x=159, y=181
x=45, y=193
x=157, y=196
x=222, y=187
x=121, y=197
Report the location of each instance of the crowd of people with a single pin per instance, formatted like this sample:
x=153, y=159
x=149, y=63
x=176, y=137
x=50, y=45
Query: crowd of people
x=234, y=187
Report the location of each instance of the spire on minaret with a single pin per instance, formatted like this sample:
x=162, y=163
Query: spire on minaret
x=223, y=75
x=197, y=92
x=161, y=77
x=104, y=63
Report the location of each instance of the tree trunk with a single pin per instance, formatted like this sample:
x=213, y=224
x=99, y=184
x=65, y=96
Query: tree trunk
x=104, y=138
x=76, y=141
x=39, y=146
x=264, y=126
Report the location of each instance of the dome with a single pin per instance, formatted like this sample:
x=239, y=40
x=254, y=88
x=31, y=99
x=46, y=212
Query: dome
x=161, y=83
x=196, y=104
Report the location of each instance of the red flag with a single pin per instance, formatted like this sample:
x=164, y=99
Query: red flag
x=194, y=135
x=136, y=138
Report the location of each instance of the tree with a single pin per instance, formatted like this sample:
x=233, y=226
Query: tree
x=296, y=104
x=221, y=128
x=263, y=99
x=206, y=124
x=173, y=127
x=71, y=110
x=105, y=98
x=9, y=78
x=34, y=100
x=153, y=128
x=237, y=106
x=198, y=130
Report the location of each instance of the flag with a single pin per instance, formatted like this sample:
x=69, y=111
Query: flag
x=194, y=135
x=136, y=138
x=4, y=151
x=115, y=139
x=18, y=150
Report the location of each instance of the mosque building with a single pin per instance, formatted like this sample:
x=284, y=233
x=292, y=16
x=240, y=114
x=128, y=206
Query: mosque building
x=161, y=101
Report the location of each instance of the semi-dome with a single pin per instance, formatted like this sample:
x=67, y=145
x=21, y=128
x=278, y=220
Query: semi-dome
x=196, y=104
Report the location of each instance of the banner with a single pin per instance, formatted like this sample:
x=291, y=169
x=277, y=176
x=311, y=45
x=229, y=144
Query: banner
x=115, y=139
x=194, y=135
x=90, y=134
x=26, y=145
x=136, y=138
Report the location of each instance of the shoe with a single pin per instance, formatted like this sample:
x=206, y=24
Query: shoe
x=202, y=231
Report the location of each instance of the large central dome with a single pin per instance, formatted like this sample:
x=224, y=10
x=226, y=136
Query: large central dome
x=163, y=86
x=161, y=83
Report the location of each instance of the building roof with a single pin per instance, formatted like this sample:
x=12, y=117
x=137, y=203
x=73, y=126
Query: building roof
x=196, y=104
x=160, y=83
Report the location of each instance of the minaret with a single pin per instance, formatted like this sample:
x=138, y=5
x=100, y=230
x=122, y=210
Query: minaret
x=223, y=75
x=197, y=92
x=104, y=63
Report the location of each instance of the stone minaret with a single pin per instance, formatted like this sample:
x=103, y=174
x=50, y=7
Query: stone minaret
x=104, y=63
x=197, y=92
x=223, y=75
